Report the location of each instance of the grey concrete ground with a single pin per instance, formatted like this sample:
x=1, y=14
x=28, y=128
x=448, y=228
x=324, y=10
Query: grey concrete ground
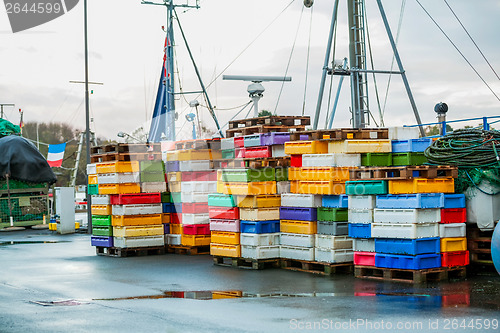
x=108, y=295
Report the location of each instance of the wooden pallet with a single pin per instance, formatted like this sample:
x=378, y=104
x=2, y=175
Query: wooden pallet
x=342, y=134
x=125, y=148
x=129, y=252
x=403, y=172
x=230, y=133
x=315, y=267
x=253, y=163
x=188, y=250
x=410, y=276
x=271, y=120
x=246, y=263
x=109, y=157
x=479, y=246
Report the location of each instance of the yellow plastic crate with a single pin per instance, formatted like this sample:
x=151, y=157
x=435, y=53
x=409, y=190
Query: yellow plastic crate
x=92, y=179
x=220, y=187
x=173, y=155
x=360, y=146
x=224, y=250
x=176, y=229
x=337, y=174
x=119, y=188
x=227, y=294
x=195, y=240
x=252, y=188
x=101, y=209
x=306, y=147
x=53, y=226
x=219, y=175
x=174, y=176
x=453, y=244
x=174, y=186
x=258, y=201
x=299, y=227
x=422, y=185
x=199, y=154
x=117, y=166
x=138, y=231
x=224, y=237
x=165, y=218
x=126, y=220
x=317, y=187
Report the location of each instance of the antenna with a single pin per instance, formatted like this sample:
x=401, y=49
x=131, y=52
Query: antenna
x=256, y=89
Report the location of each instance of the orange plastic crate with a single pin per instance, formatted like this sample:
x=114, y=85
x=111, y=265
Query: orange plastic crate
x=92, y=179
x=225, y=237
x=422, y=185
x=336, y=174
x=119, y=188
x=252, y=188
x=176, y=229
x=165, y=218
x=224, y=250
x=317, y=187
x=101, y=209
x=299, y=227
x=195, y=240
x=124, y=220
x=306, y=147
x=117, y=166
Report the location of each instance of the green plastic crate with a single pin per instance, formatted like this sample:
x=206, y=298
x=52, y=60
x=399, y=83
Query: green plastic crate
x=152, y=166
x=176, y=197
x=93, y=189
x=281, y=174
x=102, y=230
x=150, y=177
x=18, y=185
x=366, y=187
x=401, y=159
x=101, y=220
x=166, y=197
x=228, y=153
x=332, y=214
x=221, y=200
x=376, y=159
x=248, y=175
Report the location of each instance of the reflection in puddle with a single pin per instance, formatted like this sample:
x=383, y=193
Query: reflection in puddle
x=30, y=242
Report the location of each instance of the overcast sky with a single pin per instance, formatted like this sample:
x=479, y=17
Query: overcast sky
x=126, y=51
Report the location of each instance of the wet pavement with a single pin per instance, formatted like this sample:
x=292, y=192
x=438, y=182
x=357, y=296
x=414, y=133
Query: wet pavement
x=54, y=283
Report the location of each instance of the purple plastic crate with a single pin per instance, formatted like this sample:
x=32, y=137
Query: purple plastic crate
x=423, y=261
x=166, y=228
x=172, y=166
x=277, y=138
x=298, y=213
x=101, y=241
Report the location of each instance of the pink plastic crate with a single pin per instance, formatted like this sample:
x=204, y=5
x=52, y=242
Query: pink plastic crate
x=364, y=258
x=195, y=208
x=196, y=229
x=258, y=152
x=225, y=225
x=199, y=176
x=239, y=152
x=239, y=142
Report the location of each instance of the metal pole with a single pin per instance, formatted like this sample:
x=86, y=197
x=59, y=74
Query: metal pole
x=401, y=69
x=337, y=96
x=169, y=77
x=87, y=115
x=325, y=65
x=77, y=163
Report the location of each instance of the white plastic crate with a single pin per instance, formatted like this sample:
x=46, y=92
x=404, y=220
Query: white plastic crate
x=333, y=256
x=118, y=178
x=260, y=252
x=174, y=239
x=205, y=187
x=145, y=241
x=92, y=169
x=278, y=150
x=361, y=201
x=359, y=146
x=364, y=245
x=195, y=218
x=301, y=240
x=452, y=230
x=260, y=239
x=153, y=187
x=200, y=165
x=334, y=242
x=403, y=133
x=282, y=187
x=360, y=216
x=407, y=215
x=102, y=199
x=137, y=209
x=260, y=214
x=194, y=197
x=297, y=253
x=331, y=160
x=407, y=231
x=300, y=200
x=227, y=143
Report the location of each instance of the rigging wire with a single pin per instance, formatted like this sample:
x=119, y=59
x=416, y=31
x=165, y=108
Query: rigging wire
x=334, y=48
x=289, y=60
x=472, y=39
x=307, y=61
x=400, y=24
x=458, y=50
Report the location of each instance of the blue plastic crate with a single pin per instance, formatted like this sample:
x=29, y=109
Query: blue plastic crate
x=422, y=261
x=410, y=247
x=101, y=241
x=168, y=207
x=360, y=230
x=166, y=228
x=410, y=201
x=335, y=201
x=411, y=146
x=177, y=207
x=453, y=201
x=172, y=166
x=252, y=140
x=259, y=227
x=298, y=213
x=366, y=187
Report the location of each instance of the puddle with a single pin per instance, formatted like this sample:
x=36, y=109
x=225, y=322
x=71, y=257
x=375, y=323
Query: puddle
x=70, y=302
x=30, y=242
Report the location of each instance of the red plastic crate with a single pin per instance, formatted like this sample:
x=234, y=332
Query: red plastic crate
x=196, y=229
x=226, y=213
x=296, y=161
x=176, y=218
x=453, y=215
x=195, y=208
x=239, y=142
x=364, y=258
x=452, y=259
x=258, y=152
x=239, y=152
x=135, y=198
x=199, y=176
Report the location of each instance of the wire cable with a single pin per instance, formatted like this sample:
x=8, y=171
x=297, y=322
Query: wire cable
x=307, y=62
